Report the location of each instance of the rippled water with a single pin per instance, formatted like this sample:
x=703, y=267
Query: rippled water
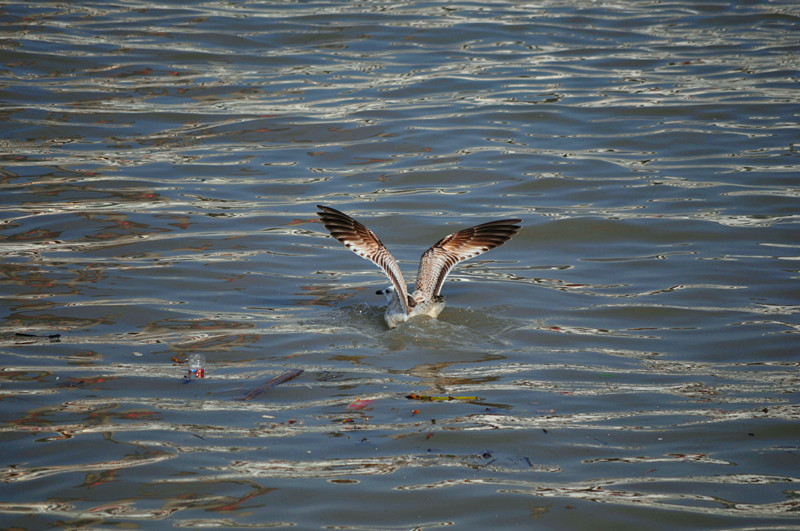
x=629, y=359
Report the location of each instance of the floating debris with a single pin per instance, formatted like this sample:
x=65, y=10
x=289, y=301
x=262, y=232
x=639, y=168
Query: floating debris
x=360, y=404
x=283, y=378
x=20, y=337
x=197, y=366
x=440, y=398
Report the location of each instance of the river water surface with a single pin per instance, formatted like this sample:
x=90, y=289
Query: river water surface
x=629, y=359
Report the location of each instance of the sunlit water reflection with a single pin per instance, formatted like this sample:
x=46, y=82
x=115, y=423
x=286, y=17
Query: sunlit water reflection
x=629, y=358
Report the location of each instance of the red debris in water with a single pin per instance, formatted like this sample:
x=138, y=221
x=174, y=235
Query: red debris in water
x=360, y=404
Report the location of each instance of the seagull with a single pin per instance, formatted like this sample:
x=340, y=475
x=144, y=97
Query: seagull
x=434, y=265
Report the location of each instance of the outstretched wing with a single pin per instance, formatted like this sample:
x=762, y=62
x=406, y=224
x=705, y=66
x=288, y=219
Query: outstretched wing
x=365, y=244
x=437, y=261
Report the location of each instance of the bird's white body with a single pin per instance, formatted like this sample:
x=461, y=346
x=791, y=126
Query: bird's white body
x=395, y=313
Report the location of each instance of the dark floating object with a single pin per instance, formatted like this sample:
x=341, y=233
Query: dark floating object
x=33, y=338
x=440, y=398
x=283, y=378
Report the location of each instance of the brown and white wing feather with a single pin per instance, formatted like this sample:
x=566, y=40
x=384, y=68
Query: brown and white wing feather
x=437, y=261
x=365, y=244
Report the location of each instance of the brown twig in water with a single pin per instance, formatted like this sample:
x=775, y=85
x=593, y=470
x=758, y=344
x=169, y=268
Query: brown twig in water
x=283, y=378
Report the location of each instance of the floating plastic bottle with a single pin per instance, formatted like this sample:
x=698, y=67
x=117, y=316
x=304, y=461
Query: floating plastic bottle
x=197, y=366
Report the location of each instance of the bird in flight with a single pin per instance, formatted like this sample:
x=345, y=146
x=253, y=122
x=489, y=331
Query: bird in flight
x=434, y=265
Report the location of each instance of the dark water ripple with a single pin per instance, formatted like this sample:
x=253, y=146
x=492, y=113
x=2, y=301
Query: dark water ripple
x=630, y=358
